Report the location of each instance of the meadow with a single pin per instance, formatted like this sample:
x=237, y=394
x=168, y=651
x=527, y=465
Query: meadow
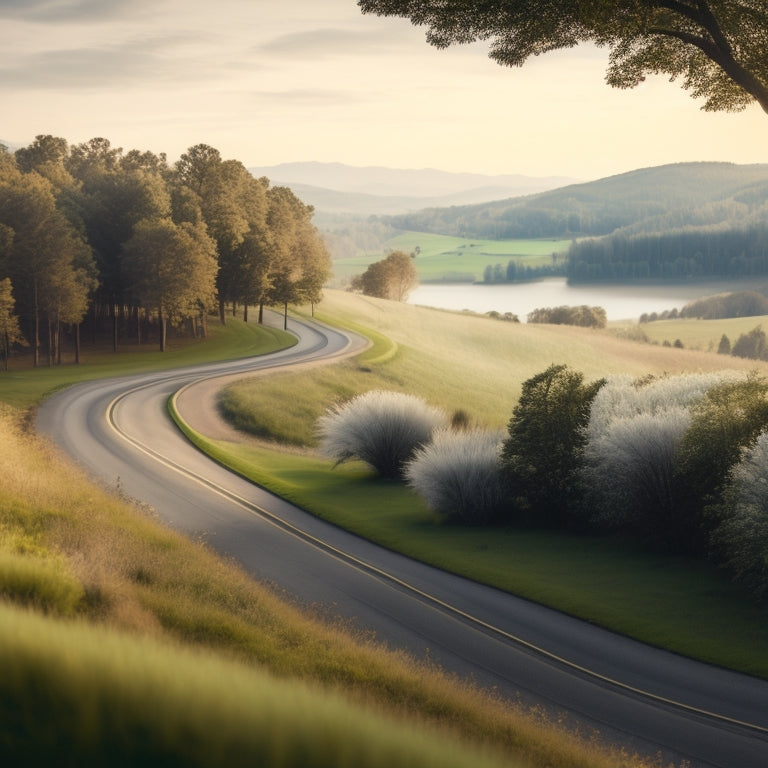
x=122, y=642
x=442, y=258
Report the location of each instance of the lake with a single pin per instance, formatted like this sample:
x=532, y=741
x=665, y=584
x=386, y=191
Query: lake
x=621, y=302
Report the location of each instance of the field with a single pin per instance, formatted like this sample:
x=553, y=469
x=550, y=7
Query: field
x=453, y=259
x=701, y=334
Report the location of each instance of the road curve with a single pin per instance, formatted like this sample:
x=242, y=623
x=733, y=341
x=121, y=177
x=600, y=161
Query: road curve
x=649, y=700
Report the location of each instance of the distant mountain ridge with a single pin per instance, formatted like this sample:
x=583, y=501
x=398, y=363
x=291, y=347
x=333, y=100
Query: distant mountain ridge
x=340, y=188
x=648, y=200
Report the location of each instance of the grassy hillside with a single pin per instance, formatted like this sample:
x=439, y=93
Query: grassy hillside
x=122, y=642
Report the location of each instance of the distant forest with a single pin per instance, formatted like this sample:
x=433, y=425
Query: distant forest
x=681, y=221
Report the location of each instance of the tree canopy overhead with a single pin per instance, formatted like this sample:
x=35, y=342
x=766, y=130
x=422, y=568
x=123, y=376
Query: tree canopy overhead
x=717, y=47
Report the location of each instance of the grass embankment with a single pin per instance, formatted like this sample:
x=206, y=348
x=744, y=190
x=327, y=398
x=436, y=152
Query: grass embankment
x=478, y=365
x=123, y=643
x=442, y=258
x=23, y=385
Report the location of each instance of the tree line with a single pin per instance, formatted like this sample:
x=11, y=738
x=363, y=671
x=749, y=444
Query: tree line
x=127, y=244
x=685, y=254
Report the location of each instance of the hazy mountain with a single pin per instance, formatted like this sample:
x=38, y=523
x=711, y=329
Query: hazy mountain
x=655, y=199
x=339, y=188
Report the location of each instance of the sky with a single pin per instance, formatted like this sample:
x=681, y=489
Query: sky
x=277, y=81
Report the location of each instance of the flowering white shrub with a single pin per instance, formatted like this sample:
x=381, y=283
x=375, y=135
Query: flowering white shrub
x=634, y=432
x=742, y=537
x=629, y=469
x=458, y=475
x=623, y=396
x=383, y=429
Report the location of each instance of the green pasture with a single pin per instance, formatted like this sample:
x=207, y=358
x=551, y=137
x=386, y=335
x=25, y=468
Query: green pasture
x=442, y=258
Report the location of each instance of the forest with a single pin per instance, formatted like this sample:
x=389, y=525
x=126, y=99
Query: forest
x=125, y=246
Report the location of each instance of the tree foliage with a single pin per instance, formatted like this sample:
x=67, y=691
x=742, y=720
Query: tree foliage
x=584, y=316
x=741, y=539
x=391, y=278
x=546, y=438
x=716, y=47
x=725, y=422
x=90, y=231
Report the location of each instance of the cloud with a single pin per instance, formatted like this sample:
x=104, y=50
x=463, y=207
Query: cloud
x=45, y=11
x=319, y=43
x=136, y=61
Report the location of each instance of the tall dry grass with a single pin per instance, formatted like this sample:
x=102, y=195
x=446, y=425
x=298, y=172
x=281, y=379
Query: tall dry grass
x=103, y=694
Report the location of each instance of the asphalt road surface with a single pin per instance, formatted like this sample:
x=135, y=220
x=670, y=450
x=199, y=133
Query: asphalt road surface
x=648, y=700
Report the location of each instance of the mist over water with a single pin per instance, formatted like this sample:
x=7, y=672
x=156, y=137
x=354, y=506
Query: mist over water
x=621, y=302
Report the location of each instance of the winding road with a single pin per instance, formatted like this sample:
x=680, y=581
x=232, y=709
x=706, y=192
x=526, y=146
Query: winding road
x=648, y=700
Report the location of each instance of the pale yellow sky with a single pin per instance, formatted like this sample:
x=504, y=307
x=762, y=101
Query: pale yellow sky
x=272, y=81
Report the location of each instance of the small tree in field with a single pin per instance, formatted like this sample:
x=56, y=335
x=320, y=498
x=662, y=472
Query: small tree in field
x=383, y=429
x=546, y=438
x=458, y=475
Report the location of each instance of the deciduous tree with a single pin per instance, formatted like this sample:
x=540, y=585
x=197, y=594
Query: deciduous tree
x=171, y=269
x=717, y=47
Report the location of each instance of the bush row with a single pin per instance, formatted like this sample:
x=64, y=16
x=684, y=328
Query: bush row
x=680, y=462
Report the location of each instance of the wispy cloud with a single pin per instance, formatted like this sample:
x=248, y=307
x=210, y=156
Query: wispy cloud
x=321, y=43
x=46, y=11
x=141, y=60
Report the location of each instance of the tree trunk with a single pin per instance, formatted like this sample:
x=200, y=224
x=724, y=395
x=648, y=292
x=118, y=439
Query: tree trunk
x=36, y=340
x=261, y=313
x=163, y=327
x=114, y=327
x=58, y=340
x=51, y=343
x=222, y=318
x=245, y=312
x=77, y=343
x=285, y=316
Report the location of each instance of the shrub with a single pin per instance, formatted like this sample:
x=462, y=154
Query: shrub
x=383, y=429
x=741, y=539
x=546, y=437
x=752, y=345
x=629, y=471
x=725, y=422
x=634, y=454
x=458, y=475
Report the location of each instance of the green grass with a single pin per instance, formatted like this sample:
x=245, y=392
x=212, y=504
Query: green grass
x=443, y=258
x=23, y=385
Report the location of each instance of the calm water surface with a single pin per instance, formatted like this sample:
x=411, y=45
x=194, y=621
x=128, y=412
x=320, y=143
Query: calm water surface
x=620, y=302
